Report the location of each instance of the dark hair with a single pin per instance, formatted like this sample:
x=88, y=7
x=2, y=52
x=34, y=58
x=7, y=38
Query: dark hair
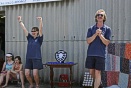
x=19, y=58
x=11, y=56
x=35, y=28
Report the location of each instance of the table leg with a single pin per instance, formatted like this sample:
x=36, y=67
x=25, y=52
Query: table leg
x=51, y=77
x=71, y=77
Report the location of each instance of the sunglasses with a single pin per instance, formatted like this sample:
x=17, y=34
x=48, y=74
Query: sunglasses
x=100, y=15
x=33, y=31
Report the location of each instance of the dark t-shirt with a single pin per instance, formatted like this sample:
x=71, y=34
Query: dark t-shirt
x=97, y=47
x=34, y=47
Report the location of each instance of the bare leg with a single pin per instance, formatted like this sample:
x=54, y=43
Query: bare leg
x=1, y=78
x=22, y=78
x=97, y=78
x=28, y=76
x=92, y=72
x=36, y=77
x=7, y=78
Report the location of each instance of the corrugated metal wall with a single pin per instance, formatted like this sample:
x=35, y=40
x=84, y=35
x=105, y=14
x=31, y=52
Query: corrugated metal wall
x=65, y=27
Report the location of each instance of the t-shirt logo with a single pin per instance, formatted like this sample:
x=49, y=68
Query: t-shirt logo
x=103, y=32
x=35, y=40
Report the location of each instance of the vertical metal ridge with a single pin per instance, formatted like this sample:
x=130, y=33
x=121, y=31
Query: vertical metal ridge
x=65, y=25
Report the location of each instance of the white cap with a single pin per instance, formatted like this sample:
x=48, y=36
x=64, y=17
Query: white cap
x=8, y=55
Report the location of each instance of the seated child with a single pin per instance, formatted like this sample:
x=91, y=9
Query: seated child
x=16, y=72
x=7, y=66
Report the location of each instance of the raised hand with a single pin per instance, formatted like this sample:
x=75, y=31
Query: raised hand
x=39, y=18
x=19, y=18
x=22, y=25
x=40, y=25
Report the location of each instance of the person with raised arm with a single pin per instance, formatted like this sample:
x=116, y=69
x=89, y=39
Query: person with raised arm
x=33, y=55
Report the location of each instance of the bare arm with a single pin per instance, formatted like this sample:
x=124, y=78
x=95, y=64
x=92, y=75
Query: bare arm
x=104, y=40
x=40, y=25
x=12, y=70
x=19, y=68
x=22, y=26
x=91, y=39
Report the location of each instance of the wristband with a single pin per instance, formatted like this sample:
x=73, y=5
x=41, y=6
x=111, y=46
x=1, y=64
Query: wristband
x=20, y=21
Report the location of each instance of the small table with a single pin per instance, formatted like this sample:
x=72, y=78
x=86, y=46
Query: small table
x=60, y=65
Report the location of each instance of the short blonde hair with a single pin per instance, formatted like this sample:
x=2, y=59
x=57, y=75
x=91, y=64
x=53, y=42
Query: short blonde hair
x=100, y=10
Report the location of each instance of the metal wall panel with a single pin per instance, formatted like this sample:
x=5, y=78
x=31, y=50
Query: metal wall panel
x=65, y=26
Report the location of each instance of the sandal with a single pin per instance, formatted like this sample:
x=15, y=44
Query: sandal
x=37, y=86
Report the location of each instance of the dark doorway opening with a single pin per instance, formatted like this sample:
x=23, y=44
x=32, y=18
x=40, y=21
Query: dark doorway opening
x=2, y=38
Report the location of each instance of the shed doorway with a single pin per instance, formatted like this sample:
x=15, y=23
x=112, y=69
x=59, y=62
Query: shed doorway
x=2, y=38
